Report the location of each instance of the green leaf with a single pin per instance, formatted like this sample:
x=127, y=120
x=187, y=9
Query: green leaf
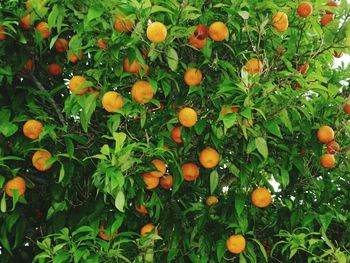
x=173, y=59
x=262, y=248
x=105, y=149
x=214, y=181
x=261, y=145
x=94, y=12
x=244, y=14
x=229, y=120
x=61, y=176
x=284, y=177
x=220, y=249
x=3, y=206
x=120, y=201
x=119, y=138
x=325, y=220
x=285, y=120
x=8, y=128
x=273, y=128
x=239, y=204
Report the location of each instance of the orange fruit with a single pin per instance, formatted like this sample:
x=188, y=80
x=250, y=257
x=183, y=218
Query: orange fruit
x=55, y=69
x=24, y=22
x=190, y=171
x=17, y=183
x=148, y=229
x=3, y=36
x=325, y=134
x=209, y=158
x=74, y=58
x=188, y=117
x=32, y=129
x=332, y=4
x=142, y=92
x=61, y=45
x=197, y=43
x=112, y=101
x=338, y=54
x=280, y=21
x=261, y=197
x=75, y=85
x=201, y=32
x=141, y=209
x=226, y=109
x=103, y=235
x=166, y=181
x=346, y=107
x=332, y=147
x=156, y=32
x=28, y=67
x=218, y=31
x=43, y=28
x=102, y=44
x=254, y=66
x=39, y=159
x=134, y=67
x=327, y=160
x=211, y=200
x=123, y=25
x=281, y=51
x=150, y=181
x=160, y=168
x=303, y=68
x=235, y=244
x=193, y=77
x=176, y=134
x=304, y=9
x=326, y=19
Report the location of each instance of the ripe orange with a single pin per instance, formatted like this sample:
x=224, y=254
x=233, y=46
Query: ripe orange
x=74, y=58
x=148, y=229
x=32, y=129
x=123, y=25
x=193, y=77
x=326, y=19
x=75, y=85
x=39, y=159
x=197, y=43
x=134, y=67
x=280, y=21
x=103, y=235
x=218, y=31
x=150, y=181
x=17, y=183
x=304, y=9
x=166, y=181
x=338, y=54
x=188, y=117
x=226, y=109
x=176, y=134
x=346, y=107
x=201, y=32
x=61, y=45
x=235, y=244
x=209, y=158
x=261, y=197
x=325, y=134
x=55, y=69
x=102, y=44
x=156, y=32
x=24, y=22
x=211, y=200
x=28, y=67
x=327, y=160
x=43, y=28
x=332, y=147
x=303, y=68
x=142, y=92
x=190, y=171
x=3, y=36
x=141, y=209
x=112, y=101
x=160, y=168
x=254, y=66
x=333, y=5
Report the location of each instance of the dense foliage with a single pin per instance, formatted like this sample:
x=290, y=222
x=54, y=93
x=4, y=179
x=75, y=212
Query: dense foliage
x=261, y=117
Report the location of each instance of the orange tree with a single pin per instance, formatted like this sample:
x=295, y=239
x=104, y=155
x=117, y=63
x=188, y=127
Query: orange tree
x=174, y=131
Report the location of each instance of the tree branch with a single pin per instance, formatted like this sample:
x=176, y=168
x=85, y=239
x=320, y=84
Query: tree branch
x=52, y=101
